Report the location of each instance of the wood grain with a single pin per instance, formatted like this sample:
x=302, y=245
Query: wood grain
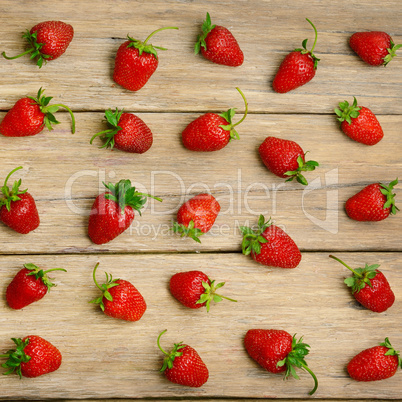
x=186, y=82
x=66, y=183
x=107, y=358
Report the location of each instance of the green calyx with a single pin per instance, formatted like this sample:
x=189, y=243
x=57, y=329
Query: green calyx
x=34, y=49
x=143, y=47
x=361, y=276
x=48, y=110
x=209, y=295
x=41, y=274
x=125, y=195
x=113, y=119
x=304, y=50
x=104, y=288
x=253, y=239
x=391, y=53
x=347, y=112
x=169, y=359
x=296, y=359
x=387, y=191
x=11, y=195
x=15, y=357
x=392, y=351
x=228, y=116
x=303, y=167
x=207, y=27
x=189, y=231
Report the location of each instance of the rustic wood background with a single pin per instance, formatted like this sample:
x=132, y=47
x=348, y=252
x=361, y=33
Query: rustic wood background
x=107, y=358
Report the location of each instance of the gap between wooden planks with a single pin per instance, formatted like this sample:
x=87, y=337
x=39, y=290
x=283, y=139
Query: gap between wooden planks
x=108, y=358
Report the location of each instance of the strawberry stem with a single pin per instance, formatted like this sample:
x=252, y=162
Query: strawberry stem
x=55, y=269
x=305, y=367
x=18, y=55
x=94, y=277
x=209, y=294
x=110, y=283
x=347, y=266
x=8, y=176
x=154, y=32
x=168, y=360
x=159, y=345
x=228, y=116
x=40, y=274
x=71, y=114
x=245, y=105
x=316, y=35
x=11, y=195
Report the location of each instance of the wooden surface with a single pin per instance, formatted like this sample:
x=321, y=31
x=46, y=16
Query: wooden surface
x=107, y=358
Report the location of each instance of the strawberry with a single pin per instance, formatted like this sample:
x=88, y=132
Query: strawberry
x=218, y=45
x=297, y=68
x=375, y=48
x=33, y=357
x=270, y=245
x=359, y=123
x=376, y=363
x=374, y=203
x=277, y=351
x=128, y=133
x=113, y=211
x=195, y=290
x=48, y=41
x=196, y=216
x=29, y=285
x=370, y=287
x=29, y=116
x=17, y=208
x=120, y=299
x=183, y=365
x=136, y=62
x=211, y=131
x=285, y=158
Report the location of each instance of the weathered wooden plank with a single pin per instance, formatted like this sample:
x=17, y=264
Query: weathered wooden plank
x=185, y=82
x=108, y=358
x=65, y=173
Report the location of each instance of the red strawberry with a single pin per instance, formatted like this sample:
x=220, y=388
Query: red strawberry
x=375, y=47
x=33, y=357
x=374, y=203
x=374, y=364
x=285, y=158
x=28, y=286
x=120, y=299
x=211, y=131
x=370, y=287
x=277, y=351
x=195, y=290
x=270, y=245
x=17, y=208
x=136, y=62
x=196, y=216
x=113, y=211
x=48, y=41
x=129, y=132
x=359, y=123
x=297, y=68
x=29, y=116
x=183, y=365
x=218, y=45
